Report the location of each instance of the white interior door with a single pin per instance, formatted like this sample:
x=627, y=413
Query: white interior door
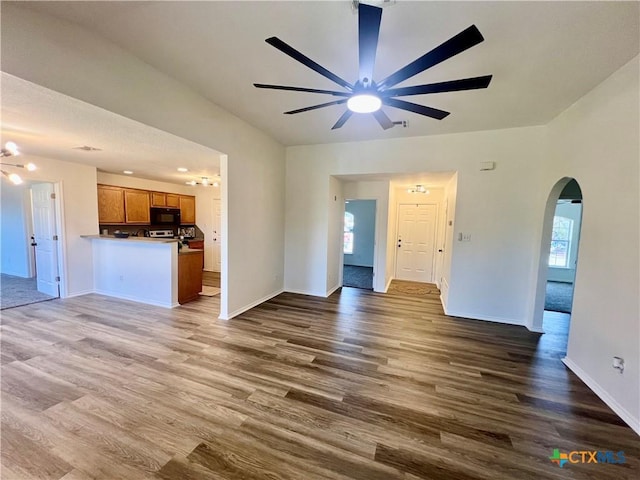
x=416, y=242
x=217, y=237
x=46, y=238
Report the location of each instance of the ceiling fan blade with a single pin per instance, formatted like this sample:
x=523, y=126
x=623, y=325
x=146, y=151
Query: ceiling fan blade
x=303, y=89
x=384, y=121
x=450, y=86
x=455, y=45
x=368, y=31
x=296, y=55
x=315, y=107
x=415, y=108
x=343, y=119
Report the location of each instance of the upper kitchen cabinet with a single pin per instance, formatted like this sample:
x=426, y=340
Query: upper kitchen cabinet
x=137, y=206
x=173, y=200
x=187, y=210
x=110, y=204
x=158, y=199
x=168, y=200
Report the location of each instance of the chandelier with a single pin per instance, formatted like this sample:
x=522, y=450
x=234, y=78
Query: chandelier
x=10, y=149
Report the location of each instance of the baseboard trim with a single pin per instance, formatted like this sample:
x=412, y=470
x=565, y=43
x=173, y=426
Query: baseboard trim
x=611, y=402
x=483, y=318
x=240, y=310
x=136, y=299
x=444, y=305
x=331, y=291
x=386, y=288
x=303, y=292
x=78, y=294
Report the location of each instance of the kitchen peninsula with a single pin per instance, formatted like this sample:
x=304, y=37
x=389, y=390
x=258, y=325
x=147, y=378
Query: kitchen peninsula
x=146, y=270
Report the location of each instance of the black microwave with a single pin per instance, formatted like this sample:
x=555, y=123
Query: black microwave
x=165, y=216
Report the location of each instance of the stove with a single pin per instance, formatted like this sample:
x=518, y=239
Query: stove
x=161, y=233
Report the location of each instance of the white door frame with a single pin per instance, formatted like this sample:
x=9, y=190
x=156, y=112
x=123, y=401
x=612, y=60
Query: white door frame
x=375, y=239
x=536, y=314
x=435, y=236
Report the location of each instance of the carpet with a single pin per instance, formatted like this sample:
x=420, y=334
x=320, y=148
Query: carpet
x=209, y=291
x=357, y=277
x=18, y=291
x=559, y=297
x=404, y=287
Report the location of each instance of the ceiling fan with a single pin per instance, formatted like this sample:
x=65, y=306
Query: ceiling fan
x=368, y=96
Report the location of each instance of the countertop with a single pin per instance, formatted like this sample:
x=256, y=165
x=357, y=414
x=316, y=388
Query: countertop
x=130, y=239
x=186, y=250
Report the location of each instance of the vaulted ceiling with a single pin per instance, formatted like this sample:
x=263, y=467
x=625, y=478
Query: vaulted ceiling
x=543, y=55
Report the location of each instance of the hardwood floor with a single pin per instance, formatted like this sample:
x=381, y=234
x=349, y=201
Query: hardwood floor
x=357, y=386
x=211, y=279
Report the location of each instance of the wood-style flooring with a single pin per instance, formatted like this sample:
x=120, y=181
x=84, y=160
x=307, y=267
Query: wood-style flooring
x=357, y=386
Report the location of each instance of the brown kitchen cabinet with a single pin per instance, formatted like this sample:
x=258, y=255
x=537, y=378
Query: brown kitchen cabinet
x=158, y=199
x=187, y=210
x=173, y=200
x=110, y=205
x=137, y=206
x=197, y=244
x=189, y=276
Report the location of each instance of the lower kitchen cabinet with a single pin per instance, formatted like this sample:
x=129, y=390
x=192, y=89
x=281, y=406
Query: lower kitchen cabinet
x=189, y=275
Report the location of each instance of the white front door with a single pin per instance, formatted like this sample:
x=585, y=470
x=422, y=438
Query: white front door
x=46, y=238
x=217, y=247
x=416, y=242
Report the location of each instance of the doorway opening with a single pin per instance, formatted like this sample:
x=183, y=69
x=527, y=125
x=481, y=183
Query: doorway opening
x=559, y=259
x=359, y=244
x=30, y=244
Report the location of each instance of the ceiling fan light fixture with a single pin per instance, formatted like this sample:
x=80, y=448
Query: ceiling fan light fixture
x=364, y=103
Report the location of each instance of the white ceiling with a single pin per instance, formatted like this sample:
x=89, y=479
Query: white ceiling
x=543, y=55
x=44, y=123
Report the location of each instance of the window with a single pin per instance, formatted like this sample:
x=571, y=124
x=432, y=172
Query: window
x=348, y=232
x=560, y=242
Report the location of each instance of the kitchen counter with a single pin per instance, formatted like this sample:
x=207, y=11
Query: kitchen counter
x=141, y=269
x=130, y=238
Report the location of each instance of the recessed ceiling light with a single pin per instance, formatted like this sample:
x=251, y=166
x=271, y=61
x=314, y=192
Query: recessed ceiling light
x=182, y=169
x=127, y=172
x=192, y=183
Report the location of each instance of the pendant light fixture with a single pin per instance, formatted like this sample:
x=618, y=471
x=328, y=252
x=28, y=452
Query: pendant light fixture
x=10, y=149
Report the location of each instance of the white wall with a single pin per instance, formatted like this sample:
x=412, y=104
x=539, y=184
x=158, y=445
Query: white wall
x=50, y=52
x=204, y=203
x=78, y=206
x=596, y=141
x=141, y=271
x=490, y=276
x=335, y=206
x=15, y=217
x=449, y=207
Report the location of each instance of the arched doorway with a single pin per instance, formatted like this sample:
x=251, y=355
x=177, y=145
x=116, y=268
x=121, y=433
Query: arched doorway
x=558, y=258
